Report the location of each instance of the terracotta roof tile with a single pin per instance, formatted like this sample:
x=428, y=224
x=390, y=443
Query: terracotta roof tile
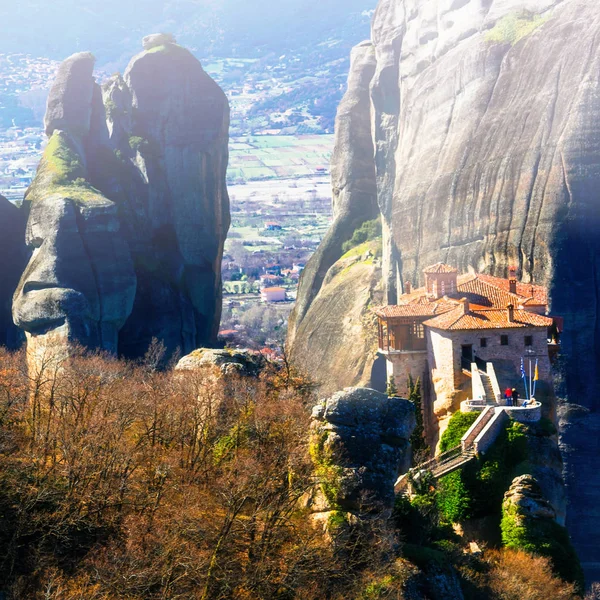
x=481, y=293
x=429, y=309
x=536, y=294
x=456, y=320
x=440, y=268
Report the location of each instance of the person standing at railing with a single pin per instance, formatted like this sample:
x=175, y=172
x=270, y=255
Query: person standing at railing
x=508, y=396
x=515, y=397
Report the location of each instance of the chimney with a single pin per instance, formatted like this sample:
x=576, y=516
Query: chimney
x=407, y=287
x=512, y=280
x=511, y=313
x=465, y=306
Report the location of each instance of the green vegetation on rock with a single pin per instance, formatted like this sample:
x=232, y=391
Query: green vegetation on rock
x=328, y=473
x=477, y=490
x=514, y=27
x=457, y=427
x=62, y=172
x=542, y=536
x=368, y=231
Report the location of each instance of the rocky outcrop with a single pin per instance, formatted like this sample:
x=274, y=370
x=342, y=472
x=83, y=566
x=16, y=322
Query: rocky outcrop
x=229, y=362
x=69, y=104
x=360, y=444
x=128, y=212
x=338, y=353
x=12, y=262
x=525, y=500
x=485, y=126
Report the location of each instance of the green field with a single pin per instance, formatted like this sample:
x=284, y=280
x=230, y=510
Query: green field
x=273, y=157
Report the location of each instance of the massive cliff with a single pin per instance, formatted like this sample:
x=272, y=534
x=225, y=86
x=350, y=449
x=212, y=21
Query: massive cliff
x=485, y=128
x=128, y=212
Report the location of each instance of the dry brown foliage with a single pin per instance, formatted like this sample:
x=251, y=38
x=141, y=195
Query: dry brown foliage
x=118, y=481
x=517, y=575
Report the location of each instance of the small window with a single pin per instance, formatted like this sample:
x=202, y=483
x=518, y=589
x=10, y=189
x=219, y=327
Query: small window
x=483, y=342
x=529, y=340
x=504, y=340
x=418, y=330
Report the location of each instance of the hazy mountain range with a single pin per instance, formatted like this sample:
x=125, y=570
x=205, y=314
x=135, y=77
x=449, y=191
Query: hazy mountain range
x=113, y=28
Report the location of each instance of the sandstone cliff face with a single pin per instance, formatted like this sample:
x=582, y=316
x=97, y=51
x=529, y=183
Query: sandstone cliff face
x=341, y=352
x=485, y=125
x=353, y=180
x=12, y=262
x=128, y=212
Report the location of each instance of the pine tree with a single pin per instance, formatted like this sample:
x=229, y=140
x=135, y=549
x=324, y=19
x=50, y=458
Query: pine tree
x=417, y=439
x=391, y=390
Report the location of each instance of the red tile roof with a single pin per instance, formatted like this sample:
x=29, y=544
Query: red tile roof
x=429, y=309
x=440, y=268
x=456, y=320
x=537, y=293
x=480, y=292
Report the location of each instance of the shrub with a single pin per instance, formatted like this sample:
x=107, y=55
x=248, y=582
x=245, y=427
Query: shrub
x=477, y=490
x=457, y=427
x=544, y=537
x=516, y=575
x=454, y=499
x=138, y=144
x=368, y=231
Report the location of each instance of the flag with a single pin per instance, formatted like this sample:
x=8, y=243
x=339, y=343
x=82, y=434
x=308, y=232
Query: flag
x=523, y=374
x=537, y=372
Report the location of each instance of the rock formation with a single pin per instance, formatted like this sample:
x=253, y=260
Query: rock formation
x=525, y=499
x=353, y=180
x=229, y=362
x=337, y=353
x=486, y=134
x=360, y=444
x=128, y=212
x=341, y=352
x=12, y=262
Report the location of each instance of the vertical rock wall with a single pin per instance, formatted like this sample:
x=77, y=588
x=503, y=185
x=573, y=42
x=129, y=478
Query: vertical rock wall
x=485, y=130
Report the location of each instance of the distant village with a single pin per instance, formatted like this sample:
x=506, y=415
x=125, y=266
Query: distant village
x=278, y=177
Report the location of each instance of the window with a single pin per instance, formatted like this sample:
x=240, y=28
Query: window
x=483, y=342
x=529, y=340
x=504, y=340
x=418, y=330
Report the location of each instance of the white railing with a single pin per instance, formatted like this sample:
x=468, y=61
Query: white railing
x=491, y=371
x=477, y=383
x=471, y=435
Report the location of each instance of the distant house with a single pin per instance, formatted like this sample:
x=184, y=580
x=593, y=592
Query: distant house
x=273, y=226
x=273, y=294
x=227, y=333
x=269, y=280
x=298, y=267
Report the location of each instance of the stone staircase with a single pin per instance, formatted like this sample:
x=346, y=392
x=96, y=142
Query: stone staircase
x=441, y=465
x=458, y=457
x=490, y=396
